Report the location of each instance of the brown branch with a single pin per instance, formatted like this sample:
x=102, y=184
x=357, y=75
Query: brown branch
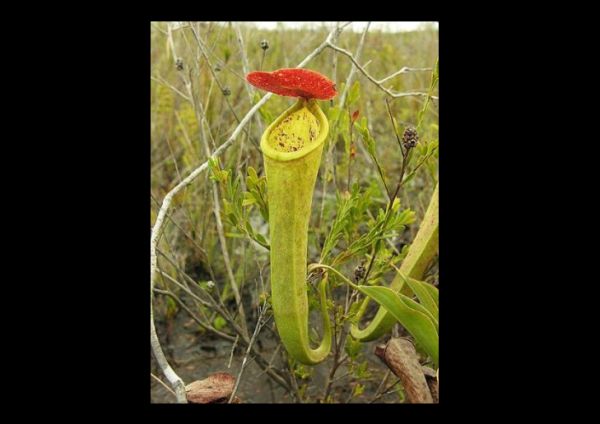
x=400, y=357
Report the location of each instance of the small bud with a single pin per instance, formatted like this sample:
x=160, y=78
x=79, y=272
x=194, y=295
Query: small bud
x=179, y=64
x=226, y=91
x=410, y=138
x=264, y=44
x=355, y=115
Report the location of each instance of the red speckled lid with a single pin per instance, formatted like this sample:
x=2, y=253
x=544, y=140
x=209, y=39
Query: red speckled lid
x=294, y=82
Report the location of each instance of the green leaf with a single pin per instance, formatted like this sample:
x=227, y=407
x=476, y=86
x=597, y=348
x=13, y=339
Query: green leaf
x=417, y=323
x=363, y=130
x=219, y=322
x=354, y=94
x=333, y=114
x=418, y=307
x=232, y=219
x=249, y=199
x=358, y=390
x=353, y=347
x=433, y=292
x=261, y=240
x=423, y=291
x=252, y=176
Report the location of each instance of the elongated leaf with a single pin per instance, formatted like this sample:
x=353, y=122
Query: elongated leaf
x=354, y=94
x=418, y=324
x=424, y=291
x=434, y=293
x=418, y=307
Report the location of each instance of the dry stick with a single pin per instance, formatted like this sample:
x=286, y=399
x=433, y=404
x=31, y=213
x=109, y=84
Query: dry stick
x=383, y=381
x=249, y=89
x=193, y=316
x=163, y=384
x=237, y=338
x=251, y=92
x=166, y=84
x=221, y=231
x=337, y=361
x=201, y=118
x=328, y=158
x=189, y=237
x=246, y=68
x=174, y=379
x=403, y=70
x=216, y=80
x=224, y=66
x=379, y=83
x=353, y=68
x=388, y=390
x=259, y=324
x=400, y=356
x=273, y=372
x=335, y=60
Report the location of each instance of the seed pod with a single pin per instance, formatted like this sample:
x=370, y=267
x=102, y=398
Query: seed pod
x=226, y=91
x=410, y=138
x=179, y=64
x=264, y=44
x=359, y=273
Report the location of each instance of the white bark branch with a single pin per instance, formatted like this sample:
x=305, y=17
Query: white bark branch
x=404, y=70
x=353, y=68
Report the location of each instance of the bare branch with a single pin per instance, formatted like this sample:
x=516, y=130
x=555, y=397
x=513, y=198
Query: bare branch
x=259, y=324
x=401, y=357
x=378, y=83
x=403, y=70
x=353, y=69
x=166, y=84
x=163, y=384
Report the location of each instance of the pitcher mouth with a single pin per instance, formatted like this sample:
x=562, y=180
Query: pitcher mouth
x=289, y=150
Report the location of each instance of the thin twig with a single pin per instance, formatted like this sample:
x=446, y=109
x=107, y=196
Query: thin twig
x=273, y=372
x=194, y=317
x=387, y=391
x=201, y=116
x=163, y=384
x=378, y=83
x=259, y=324
x=353, y=68
x=246, y=68
x=403, y=70
x=170, y=86
x=237, y=338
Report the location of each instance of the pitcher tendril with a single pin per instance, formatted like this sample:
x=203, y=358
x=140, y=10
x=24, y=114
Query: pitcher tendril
x=292, y=147
x=421, y=252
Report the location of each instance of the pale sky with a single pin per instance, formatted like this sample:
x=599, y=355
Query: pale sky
x=355, y=26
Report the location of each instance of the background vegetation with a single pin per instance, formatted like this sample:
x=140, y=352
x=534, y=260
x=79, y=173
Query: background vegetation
x=216, y=234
